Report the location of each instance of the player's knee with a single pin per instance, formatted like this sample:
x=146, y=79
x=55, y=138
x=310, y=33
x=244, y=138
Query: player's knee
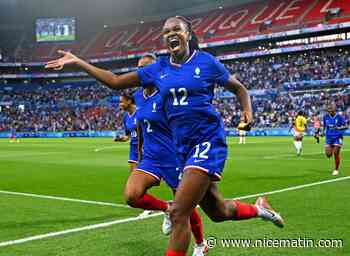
x=178, y=215
x=131, y=197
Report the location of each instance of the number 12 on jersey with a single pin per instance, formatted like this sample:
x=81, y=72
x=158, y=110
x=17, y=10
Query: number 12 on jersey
x=205, y=148
x=182, y=94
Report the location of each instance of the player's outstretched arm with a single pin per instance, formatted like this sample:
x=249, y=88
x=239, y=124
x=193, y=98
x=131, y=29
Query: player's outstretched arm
x=235, y=86
x=128, y=80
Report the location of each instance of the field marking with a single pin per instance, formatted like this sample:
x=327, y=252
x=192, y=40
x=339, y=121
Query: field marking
x=294, y=188
x=75, y=230
x=110, y=147
x=17, y=154
x=107, y=224
x=317, y=159
x=63, y=199
x=279, y=156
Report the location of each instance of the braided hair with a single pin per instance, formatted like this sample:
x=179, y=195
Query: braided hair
x=193, y=43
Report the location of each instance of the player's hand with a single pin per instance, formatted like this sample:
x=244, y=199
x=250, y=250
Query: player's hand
x=247, y=116
x=246, y=121
x=58, y=64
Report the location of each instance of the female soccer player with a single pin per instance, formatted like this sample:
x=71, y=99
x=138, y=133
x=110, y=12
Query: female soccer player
x=334, y=126
x=157, y=160
x=127, y=104
x=186, y=81
x=300, y=126
x=317, y=127
x=242, y=131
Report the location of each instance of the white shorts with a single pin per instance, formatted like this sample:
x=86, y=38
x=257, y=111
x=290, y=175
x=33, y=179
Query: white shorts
x=299, y=134
x=242, y=133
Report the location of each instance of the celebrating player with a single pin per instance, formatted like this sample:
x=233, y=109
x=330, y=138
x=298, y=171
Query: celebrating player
x=157, y=160
x=127, y=104
x=334, y=125
x=185, y=80
x=300, y=126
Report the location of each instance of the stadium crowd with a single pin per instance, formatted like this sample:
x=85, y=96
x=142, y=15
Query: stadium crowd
x=66, y=109
x=96, y=108
x=280, y=110
x=82, y=109
x=275, y=71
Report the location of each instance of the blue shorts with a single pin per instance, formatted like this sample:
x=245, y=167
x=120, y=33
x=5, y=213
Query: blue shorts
x=334, y=141
x=208, y=157
x=170, y=173
x=133, y=154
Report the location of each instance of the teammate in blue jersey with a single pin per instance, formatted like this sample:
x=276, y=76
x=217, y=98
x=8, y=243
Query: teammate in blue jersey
x=13, y=134
x=334, y=126
x=127, y=104
x=186, y=80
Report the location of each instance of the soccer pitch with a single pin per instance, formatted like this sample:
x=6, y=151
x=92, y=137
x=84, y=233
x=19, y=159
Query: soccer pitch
x=50, y=38
x=70, y=191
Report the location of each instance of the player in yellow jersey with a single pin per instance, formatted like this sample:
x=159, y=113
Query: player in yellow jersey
x=300, y=127
x=242, y=131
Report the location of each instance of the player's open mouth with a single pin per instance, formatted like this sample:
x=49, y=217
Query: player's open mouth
x=174, y=43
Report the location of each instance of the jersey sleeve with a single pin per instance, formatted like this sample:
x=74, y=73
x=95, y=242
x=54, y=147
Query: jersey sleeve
x=125, y=127
x=220, y=73
x=342, y=121
x=149, y=73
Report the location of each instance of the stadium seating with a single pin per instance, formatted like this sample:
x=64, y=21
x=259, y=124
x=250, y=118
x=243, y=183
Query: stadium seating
x=92, y=107
x=228, y=23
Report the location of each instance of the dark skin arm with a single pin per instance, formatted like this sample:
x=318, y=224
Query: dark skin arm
x=128, y=80
x=243, y=97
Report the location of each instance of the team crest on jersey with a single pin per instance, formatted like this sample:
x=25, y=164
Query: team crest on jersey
x=197, y=72
x=154, y=109
x=135, y=122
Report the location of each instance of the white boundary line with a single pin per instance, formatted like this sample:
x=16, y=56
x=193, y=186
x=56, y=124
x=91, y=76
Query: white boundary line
x=289, y=156
x=294, y=188
x=63, y=199
x=5, y=156
x=70, y=231
x=110, y=147
x=107, y=224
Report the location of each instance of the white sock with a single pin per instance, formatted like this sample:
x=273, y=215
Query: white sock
x=300, y=145
x=296, y=145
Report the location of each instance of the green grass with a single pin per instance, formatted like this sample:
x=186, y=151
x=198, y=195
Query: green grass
x=49, y=38
x=71, y=168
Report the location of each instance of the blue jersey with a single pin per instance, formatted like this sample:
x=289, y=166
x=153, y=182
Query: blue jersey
x=158, y=143
x=130, y=125
x=187, y=91
x=331, y=123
